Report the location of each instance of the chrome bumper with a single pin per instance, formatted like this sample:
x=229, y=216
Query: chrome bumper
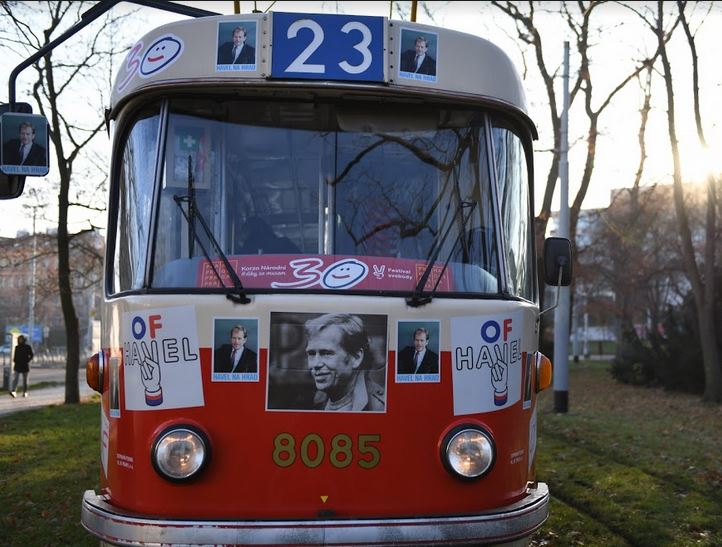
x=500, y=526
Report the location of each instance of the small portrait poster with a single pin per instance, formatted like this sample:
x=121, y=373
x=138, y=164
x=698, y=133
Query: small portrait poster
x=418, y=55
x=24, y=144
x=327, y=362
x=417, y=353
x=236, y=46
x=235, y=350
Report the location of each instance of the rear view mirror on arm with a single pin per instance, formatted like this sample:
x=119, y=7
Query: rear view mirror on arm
x=11, y=186
x=557, y=256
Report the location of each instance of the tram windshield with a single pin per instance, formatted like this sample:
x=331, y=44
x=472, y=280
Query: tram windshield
x=322, y=195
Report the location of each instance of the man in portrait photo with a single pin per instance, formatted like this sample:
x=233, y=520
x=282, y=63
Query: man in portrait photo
x=419, y=59
x=24, y=150
x=338, y=358
x=418, y=359
x=235, y=357
x=237, y=51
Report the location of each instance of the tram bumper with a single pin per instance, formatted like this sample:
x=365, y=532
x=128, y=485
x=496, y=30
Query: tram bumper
x=502, y=525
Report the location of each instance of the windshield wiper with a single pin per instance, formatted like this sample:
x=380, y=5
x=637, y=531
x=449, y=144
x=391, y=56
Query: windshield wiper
x=239, y=296
x=417, y=299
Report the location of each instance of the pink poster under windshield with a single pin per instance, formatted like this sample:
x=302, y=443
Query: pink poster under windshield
x=324, y=272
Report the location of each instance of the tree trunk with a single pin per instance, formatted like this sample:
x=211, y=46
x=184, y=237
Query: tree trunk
x=72, y=334
x=65, y=287
x=704, y=305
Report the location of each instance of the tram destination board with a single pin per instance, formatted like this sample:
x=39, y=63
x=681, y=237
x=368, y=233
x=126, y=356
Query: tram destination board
x=328, y=47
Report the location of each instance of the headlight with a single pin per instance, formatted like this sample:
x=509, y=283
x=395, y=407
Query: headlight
x=180, y=453
x=468, y=452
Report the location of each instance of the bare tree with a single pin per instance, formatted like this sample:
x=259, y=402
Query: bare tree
x=529, y=34
x=614, y=256
x=58, y=83
x=703, y=287
x=578, y=17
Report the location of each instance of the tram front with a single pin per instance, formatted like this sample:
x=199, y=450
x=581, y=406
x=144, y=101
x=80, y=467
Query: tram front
x=321, y=318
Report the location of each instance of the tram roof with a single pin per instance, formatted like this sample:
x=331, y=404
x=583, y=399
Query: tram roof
x=186, y=54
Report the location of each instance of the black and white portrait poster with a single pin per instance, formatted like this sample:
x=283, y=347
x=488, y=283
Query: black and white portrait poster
x=327, y=362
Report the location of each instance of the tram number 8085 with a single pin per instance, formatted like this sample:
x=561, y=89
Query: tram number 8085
x=312, y=450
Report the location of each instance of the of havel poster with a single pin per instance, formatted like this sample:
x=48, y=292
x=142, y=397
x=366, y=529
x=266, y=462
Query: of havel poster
x=161, y=359
x=486, y=362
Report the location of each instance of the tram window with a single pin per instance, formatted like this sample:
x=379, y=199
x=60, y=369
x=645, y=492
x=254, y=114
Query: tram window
x=408, y=184
x=135, y=193
x=513, y=177
x=401, y=197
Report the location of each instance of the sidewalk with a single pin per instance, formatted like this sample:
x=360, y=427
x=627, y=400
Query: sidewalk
x=44, y=396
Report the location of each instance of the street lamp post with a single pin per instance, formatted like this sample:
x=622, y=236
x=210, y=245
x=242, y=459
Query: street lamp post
x=33, y=270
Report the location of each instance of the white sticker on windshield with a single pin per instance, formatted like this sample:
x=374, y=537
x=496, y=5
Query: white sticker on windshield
x=487, y=362
x=161, y=359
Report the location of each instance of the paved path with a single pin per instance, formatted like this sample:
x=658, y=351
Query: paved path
x=45, y=396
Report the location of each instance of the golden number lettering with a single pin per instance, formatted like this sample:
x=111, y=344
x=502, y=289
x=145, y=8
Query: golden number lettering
x=313, y=450
x=365, y=448
x=306, y=458
x=341, y=446
x=284, y=443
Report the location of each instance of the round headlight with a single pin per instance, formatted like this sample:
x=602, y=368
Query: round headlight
x=180, y=453
x=468, y=452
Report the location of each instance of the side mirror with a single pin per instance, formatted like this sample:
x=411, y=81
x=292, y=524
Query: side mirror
x=11, y=186
x=557, y=256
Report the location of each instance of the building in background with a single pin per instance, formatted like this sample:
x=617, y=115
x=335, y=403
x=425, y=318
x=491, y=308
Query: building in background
x=18, y=277
x=628, y=265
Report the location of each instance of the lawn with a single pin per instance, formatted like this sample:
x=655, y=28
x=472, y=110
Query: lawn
x=630, y=466
x=626, y=466
x=48, y=457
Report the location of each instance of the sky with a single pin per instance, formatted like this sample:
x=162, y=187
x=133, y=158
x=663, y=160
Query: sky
x=623, y=41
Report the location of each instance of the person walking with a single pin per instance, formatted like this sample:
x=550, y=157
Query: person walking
x=22, y=357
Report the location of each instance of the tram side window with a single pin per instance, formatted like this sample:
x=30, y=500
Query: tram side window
x=134, y=198
x=190, y=184
x=513, y=177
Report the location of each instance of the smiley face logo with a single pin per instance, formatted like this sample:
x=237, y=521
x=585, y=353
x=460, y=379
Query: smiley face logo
x=344, y=274
x=160, y=55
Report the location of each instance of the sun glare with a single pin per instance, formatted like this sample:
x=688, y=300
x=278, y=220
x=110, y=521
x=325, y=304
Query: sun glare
x=698, y=163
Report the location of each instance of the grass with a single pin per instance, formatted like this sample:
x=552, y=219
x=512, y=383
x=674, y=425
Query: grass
x=626, y=466
x=630, y=466
x=48, y=457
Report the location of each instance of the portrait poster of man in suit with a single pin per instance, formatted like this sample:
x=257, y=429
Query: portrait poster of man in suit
x=25, y=144
x=236, y=46
x=418, y=55
x=235, y=358
x=328, y=362
x=417, y=356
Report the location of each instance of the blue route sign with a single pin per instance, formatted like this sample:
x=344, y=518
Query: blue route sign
x=328, y=47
